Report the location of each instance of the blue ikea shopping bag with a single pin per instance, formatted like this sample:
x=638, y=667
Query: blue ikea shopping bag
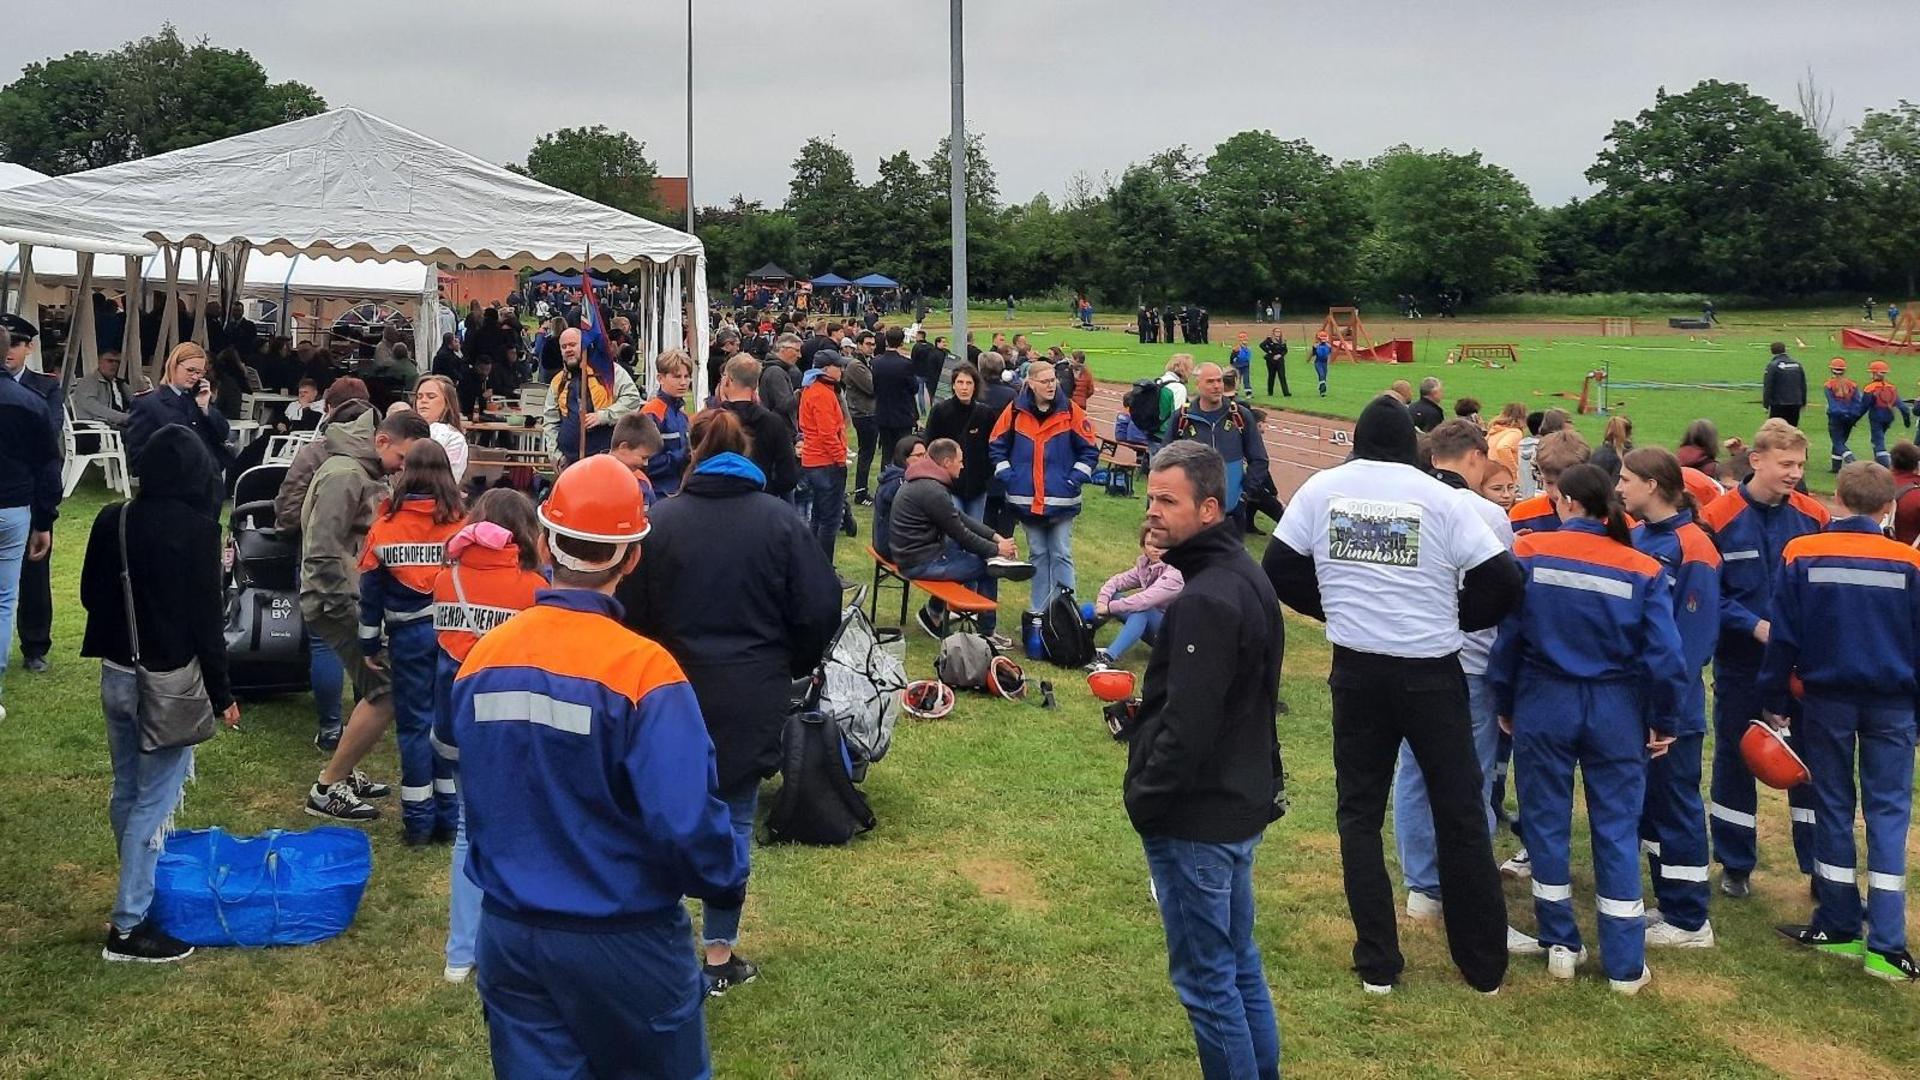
x=278, y=888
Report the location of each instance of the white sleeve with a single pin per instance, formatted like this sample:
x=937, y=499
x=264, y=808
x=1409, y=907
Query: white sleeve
x=1470, y=541
x=455, y=445
x=1296, y=525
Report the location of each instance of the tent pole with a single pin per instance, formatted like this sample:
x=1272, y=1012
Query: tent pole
x=28, y=309
x=81, y=347
x=130, y=359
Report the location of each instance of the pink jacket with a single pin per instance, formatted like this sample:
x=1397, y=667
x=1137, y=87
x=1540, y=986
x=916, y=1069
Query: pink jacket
x=1156, y=584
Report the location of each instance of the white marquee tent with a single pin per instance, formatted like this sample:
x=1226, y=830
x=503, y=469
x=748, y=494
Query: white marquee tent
x=350, y=185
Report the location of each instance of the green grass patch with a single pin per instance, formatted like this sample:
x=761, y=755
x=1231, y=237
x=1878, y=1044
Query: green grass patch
x=996, y=924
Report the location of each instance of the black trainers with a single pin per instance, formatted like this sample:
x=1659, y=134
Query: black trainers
x=849, y=526
x=1821, y=941
x=929, y=623
x=1735, y=885
x=337, y=801
x=1009, y=569
x=36, y=664
x=364, y=788
x=737, y=971
x=144, y=944
x=327, y=740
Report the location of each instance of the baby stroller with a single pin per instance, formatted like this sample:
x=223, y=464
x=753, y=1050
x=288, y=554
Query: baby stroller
x=266, y=638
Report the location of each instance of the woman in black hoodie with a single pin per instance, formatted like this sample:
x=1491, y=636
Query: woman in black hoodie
x=173, y=558
x=965, y=419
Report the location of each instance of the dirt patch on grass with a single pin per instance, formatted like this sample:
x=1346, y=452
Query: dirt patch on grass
x=1709, y=991
x=1007, y=882
x=1806, y=1058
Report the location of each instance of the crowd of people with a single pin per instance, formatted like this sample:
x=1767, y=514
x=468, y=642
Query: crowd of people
x=588, y=688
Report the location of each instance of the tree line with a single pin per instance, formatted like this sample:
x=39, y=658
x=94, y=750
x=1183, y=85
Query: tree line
x=1716, y=190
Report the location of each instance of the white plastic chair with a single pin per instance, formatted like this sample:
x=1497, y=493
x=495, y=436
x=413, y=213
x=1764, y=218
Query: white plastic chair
x=282, y=448
x=107, y=450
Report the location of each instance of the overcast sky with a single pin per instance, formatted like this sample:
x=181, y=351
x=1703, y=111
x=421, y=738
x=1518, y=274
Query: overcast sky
x=1055, y=86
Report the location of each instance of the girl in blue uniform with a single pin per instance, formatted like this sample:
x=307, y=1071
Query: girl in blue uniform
x=1673, y=826
x=1579, y=668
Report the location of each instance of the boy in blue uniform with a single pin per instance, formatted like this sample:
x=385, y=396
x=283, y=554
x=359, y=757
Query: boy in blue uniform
x=1847, y=621
x=589, y=783
x=1751, y=526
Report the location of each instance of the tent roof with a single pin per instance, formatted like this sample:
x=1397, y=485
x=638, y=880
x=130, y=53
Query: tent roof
x=876, y=281
x=347, y=183
x=770, y=272
x=554, y=277
x=24, y=222
x=831, y=279
x=13, y=176
x=266, y=275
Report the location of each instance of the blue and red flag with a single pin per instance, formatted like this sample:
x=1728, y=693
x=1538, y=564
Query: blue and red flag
x=595, y=350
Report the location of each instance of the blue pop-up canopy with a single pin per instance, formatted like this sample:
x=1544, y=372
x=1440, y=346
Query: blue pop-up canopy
x=554, y=277
x=876, y=281
x=830, y=281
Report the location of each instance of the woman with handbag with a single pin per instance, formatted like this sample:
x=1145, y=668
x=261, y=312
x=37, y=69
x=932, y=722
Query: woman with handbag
x=157, y=622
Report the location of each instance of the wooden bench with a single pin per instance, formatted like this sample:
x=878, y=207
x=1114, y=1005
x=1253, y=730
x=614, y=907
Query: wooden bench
x=961, y=603
x=1111, y=450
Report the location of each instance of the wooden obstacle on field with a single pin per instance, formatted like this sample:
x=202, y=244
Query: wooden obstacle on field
x=1616, y=326
x=1347, y=334
x=1486, y=354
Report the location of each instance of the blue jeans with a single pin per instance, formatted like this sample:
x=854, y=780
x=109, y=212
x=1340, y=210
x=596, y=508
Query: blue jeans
x=975, y=508
x=146, y=790
x=958, y=564
x=1206, y=907
x=718, y=925
x=826, y=488
x=1050, y=546
x=463, y=901
x=1138, y=626
x=15, y=523
x=329, y=679
x=566, y=1003
x=1413, y=817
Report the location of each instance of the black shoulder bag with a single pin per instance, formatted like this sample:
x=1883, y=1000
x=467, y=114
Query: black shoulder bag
x=174, y=710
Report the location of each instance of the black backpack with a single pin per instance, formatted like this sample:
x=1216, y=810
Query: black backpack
x=817, y=802
x=1143, y=406
x=1064, y=635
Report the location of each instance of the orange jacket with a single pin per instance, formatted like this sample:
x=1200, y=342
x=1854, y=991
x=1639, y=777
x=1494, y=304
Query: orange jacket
x=823, y=425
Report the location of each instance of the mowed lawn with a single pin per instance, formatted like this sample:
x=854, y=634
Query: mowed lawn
x=996, y=923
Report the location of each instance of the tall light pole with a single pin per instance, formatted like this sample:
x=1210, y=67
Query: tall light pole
x=689, y=116
x=957, y=184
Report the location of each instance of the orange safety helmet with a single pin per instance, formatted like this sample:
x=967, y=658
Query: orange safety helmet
x=595, y=499
x=1838, y=363
x=1878, y=367
x=928, y=699
x=1770, y=759
x=1005, y=678
x=1111, y=684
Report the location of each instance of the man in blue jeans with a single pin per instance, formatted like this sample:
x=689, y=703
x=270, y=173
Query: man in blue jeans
x=1203, y=762
x=933, y=541
x=29, y=483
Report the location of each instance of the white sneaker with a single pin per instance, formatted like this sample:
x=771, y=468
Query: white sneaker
x=1667, y=935
x=1519, y=868
x=1153, y=891
x=3, y=712
x=1653, y=916
x=1377, y=988
x=1631, y=987
x=1519, y=944
x=1422, y=907
x=457, y=973
x=1561, y=961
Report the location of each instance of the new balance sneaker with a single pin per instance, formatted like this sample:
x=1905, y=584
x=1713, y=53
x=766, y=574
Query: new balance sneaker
x=327, y=740
x=1893, y=967
x=737, y=971
x=1562, y=961
x=367, y=789
x=1631, y=987
x=1519, y=868
x=1421, y=907
x=1521, y=944
x=1735, y=885
x=928, y=623
x=1665, y=935
x=1009, y=569
x=337, y=801
x=144, y=944
x=456, y=973
x=1821, y=941
x=1101, y=659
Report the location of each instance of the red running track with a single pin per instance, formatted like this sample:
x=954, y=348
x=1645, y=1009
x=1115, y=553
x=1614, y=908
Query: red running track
x=1298, y=445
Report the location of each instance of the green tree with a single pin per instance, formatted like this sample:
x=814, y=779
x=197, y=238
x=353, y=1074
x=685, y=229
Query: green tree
x=609, y=167
x=160, y=93
x=1447, y=221
x=1720, y=189
x=1278, y=219
x=1575, y=249
x=743, y=236
x=1145, y=212
x=828, y=207
x=907, y=244
x=1885, y=155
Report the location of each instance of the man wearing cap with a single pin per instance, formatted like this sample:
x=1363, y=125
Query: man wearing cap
x=29, y=481
x=823, y=446
x=35, y=615
x=590, y=784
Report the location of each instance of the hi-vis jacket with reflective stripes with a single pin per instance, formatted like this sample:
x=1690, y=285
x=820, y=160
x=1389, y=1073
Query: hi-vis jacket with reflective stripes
x=1594, y=611
x=1751, y=537
x=496, y=589
x=587, y=772
x=1692, y=565
x=1533, y=515
x=402, y=556
x=1043, y=460
x=1846, y=616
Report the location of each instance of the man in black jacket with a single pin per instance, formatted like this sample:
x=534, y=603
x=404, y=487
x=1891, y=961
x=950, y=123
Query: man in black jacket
x=1425, y=410
x=931, y=540
x=896, y=390
x=29, y=487
x=1203, y=762
x=772, y=438
x=35, y=615
x=1376, y=527
x=1783, y=389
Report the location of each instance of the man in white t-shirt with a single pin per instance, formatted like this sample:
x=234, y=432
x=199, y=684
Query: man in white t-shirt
x=1398, y=564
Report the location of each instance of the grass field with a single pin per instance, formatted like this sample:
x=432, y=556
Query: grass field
x=996, y=924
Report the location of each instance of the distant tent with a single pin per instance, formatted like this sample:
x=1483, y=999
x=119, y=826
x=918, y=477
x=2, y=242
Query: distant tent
x=830, y=281
x=876, y=281
x=554, y=277
x=770, y=272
